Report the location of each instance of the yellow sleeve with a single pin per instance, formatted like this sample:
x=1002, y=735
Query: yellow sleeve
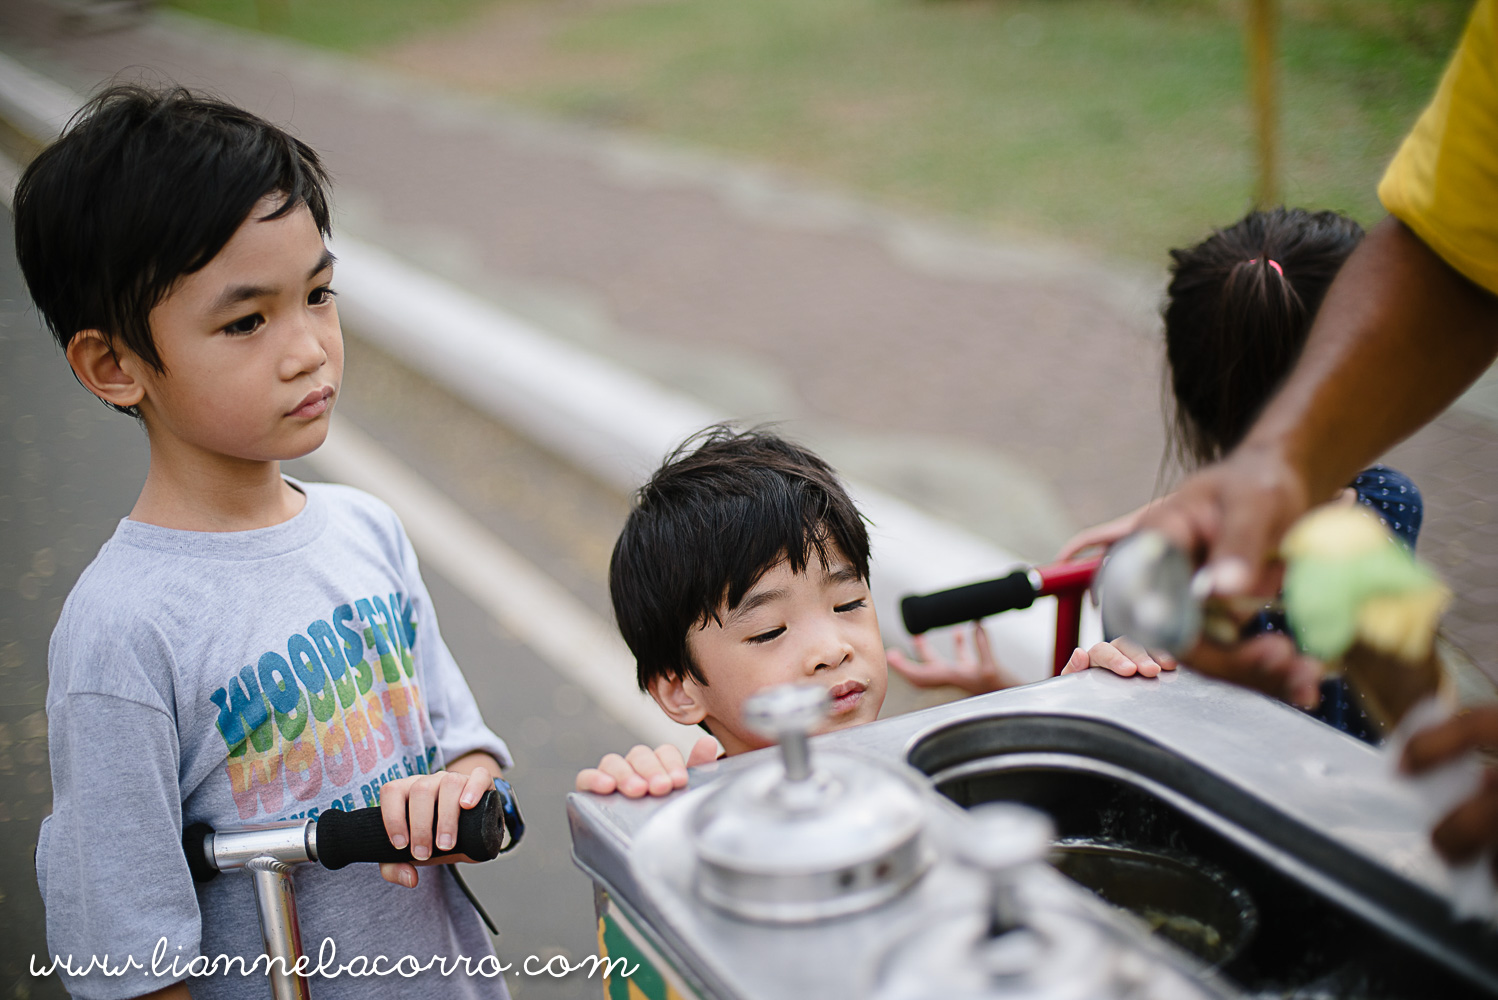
x=1443, y=182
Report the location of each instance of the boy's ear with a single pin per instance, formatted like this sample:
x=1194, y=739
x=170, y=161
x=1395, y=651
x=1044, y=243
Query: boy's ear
x=677, y=697
x=99, y=368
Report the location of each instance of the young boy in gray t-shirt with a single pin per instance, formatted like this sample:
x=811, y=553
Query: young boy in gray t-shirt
x=245, y=648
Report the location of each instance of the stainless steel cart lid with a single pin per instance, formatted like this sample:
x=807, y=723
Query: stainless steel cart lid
x=796, y=840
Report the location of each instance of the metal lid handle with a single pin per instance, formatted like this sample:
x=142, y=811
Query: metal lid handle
x=787, y=713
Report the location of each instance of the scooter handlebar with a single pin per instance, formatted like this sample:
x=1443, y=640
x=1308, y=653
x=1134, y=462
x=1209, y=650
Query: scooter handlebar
x=923, y=612
x=346, y=838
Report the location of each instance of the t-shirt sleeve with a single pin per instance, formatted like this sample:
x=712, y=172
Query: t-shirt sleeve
x=110, y=862
x=1443, y=182
x=454, y=712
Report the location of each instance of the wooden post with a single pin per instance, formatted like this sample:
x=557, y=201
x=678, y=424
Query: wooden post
x=1263, y=61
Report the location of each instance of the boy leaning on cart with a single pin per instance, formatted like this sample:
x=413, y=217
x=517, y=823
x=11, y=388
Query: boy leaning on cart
x=743, y=564
x=246, y=648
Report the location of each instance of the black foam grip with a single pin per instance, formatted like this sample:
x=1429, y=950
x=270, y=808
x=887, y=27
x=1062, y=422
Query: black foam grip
x=346, y=838
x=964, y=604
x=193, y=839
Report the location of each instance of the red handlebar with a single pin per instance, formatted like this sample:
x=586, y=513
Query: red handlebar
x=1067, y=582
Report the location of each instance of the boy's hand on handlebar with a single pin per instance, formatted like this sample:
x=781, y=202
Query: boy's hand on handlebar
x=976, y=672
x=644, y=771
x=422, y=812
x=1123, y=656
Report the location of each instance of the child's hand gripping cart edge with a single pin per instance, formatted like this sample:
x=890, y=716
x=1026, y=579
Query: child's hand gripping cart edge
x=335, y=839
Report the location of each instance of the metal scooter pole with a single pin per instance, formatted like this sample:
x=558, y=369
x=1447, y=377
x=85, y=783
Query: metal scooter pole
x=275, y=897
x=269, y=852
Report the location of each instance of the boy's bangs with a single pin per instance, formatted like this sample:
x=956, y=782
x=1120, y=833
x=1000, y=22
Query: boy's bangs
x=797, y=538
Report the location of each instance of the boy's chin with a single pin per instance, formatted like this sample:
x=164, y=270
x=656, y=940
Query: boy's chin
x=315, y=438
x=865, y=713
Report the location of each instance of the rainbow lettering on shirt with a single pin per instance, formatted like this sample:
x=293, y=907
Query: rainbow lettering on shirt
x=339, y=699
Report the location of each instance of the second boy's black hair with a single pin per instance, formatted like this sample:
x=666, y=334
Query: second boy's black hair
x=144, y=186
x=1240, y=306
x=725, y=507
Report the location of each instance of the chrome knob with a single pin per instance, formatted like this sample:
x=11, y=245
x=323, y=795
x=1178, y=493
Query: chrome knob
x=999, y=839
x=786, y=714
x=1149, y=594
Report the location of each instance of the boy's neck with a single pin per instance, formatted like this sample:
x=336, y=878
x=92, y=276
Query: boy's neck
x=215, y=493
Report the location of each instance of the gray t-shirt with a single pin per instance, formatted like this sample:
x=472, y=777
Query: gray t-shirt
x=247, y=677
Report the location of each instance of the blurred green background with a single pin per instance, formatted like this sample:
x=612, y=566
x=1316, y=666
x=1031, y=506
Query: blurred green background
x=1120, y=126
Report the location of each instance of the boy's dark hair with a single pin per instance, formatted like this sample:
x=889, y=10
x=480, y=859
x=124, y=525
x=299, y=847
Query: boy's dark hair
x=1240, y=305
x=145, y=186
x=725, y=507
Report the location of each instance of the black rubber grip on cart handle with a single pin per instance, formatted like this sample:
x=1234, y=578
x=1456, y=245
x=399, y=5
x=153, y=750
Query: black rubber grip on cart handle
x=346, y=838
x=965, y=604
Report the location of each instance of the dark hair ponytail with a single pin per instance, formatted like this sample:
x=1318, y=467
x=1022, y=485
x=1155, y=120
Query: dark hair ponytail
x=1240, y=305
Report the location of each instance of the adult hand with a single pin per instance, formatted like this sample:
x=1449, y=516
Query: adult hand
x=1231, y=516
x=1472, y=826
x=1269, y=663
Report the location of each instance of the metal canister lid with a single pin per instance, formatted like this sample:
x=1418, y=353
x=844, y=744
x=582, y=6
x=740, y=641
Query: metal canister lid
x=802, y=840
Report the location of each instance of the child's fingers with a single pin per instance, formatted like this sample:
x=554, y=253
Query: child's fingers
x=922, y=647
x=981, y=642
x=450, y=789
x=900, y=663
x=1138, y=654
x=959, y=649
x=479, y=782
x=649, y=766
x=421, y=803
x=591, y=779
x=1078, y=662
x=1109, y=657
x=673, y=764
x=393, y=812
x=627, y=781
x=399, y=873
x=704, y=751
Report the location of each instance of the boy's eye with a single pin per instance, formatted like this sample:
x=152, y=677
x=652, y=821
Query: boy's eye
x=245, y=325
x=851, y=605
x=321, y=296
x=767, y=636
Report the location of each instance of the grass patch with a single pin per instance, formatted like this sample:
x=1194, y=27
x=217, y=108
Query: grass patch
x=1118, y=125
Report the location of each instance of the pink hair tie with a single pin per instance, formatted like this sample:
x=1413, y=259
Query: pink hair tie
x=1272, y=263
